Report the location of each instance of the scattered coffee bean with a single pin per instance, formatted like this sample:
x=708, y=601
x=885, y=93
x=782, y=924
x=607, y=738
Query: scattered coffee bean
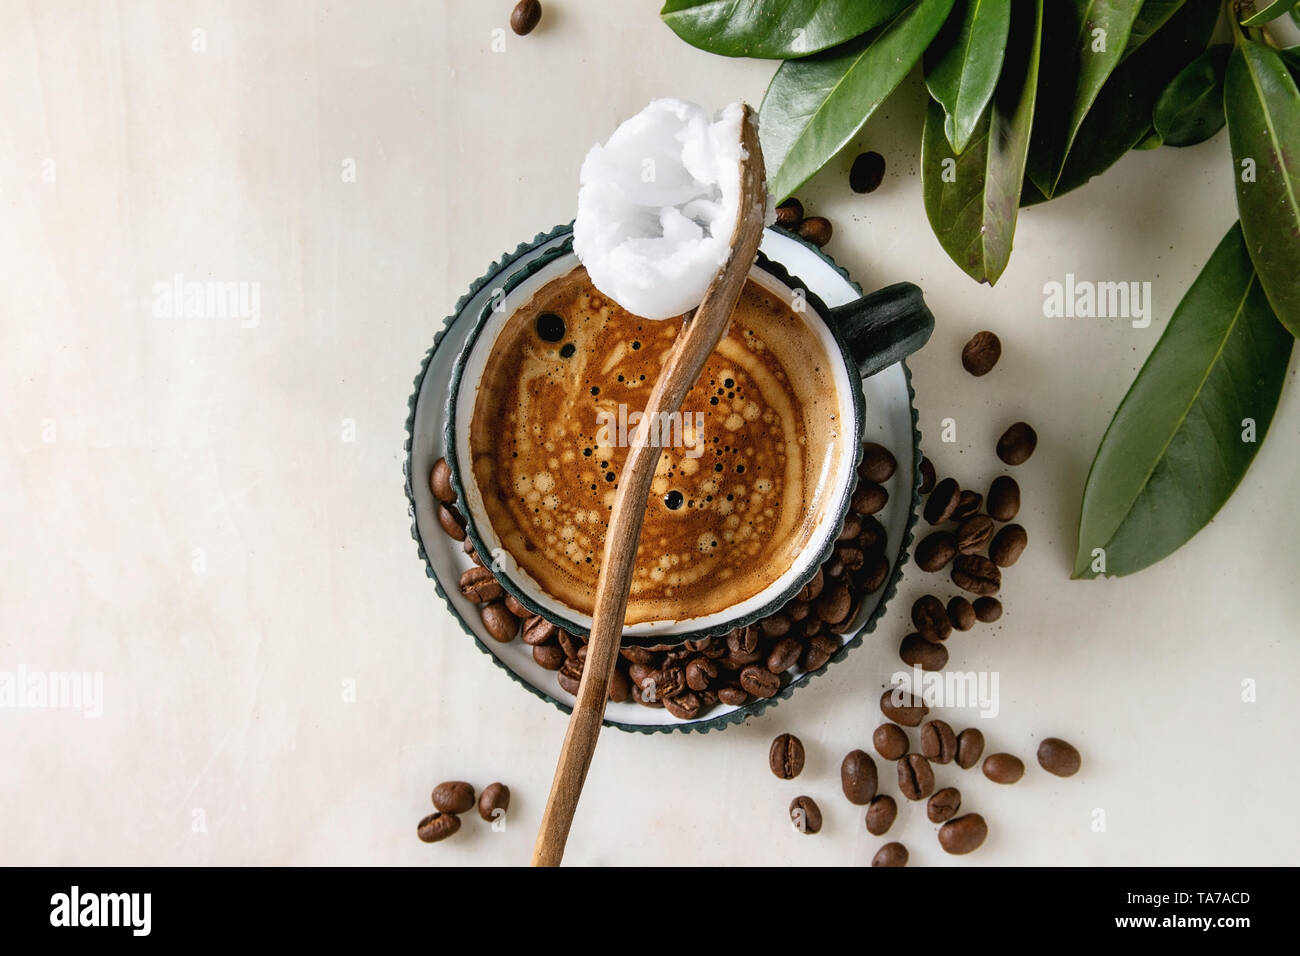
x=759, y=681
x=878, y=462
x=890, y=741
x=501, y=625
x=872, y=540
x=733, y=695
x=874, y=575
x=453, y=796
x=903, y=708
x=1003, y=768
x=1017, y=444
x=974, y=533
x=494, y=801
x=881, y=813
x=816, y=230
x=870, y=498
x=981, y=353
x=988, y=609
x=805, y=815
x=943, y=805
x=976, y=574
x=858, y=777
x=961, y=613
x=867, y=172
x=1004, y=498
x=1008, y=545
x=928, y=476
x=968, y=504
x=1058, y=757
x=936, y=550
x=453, y=523
x=891, y=854
x=440, y=482
x=620, y=685
x=515, y=608
x=478, y=585
x=437, y=826
x=963, y=834
x=970, y=747
x=945, y=497
x=916, y=651
x=683, y=706
x=784, y=655
x=915, y=778
x=538, y=630
x=835, y=603
x=524, y=17
x=820, y=650
x=789, y=213
x=930, y=618
x=549, y=656
x=938, y=742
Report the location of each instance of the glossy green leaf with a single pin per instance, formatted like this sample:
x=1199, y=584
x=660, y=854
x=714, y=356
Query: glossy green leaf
x=814, y=106
x=1263, y=107
x=1190, y=425
x=1268, y=11
x=778, y=29
x=972, y=199
x=1154, y=15
x=1295, y=16
x=963, y=63
x=1190, y=110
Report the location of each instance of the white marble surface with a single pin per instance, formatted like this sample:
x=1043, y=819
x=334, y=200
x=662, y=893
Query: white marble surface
x=183, y=510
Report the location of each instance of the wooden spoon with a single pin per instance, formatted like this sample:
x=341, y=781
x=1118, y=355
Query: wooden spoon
x=700, y=335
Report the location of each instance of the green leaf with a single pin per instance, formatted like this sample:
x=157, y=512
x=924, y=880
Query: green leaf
x=814, y=106
x=774, y=28
x=1263, y=107
x=972, y=200
x=963, y=63
x=1291, y=57
x=1190, y=110
x=1295, y=16
x=1176, y=448
x=1269, y=11
x=1154, y=15
x=1084, y=42
x=1153, y=141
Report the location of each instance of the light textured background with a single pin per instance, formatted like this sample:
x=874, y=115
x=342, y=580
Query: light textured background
x=224, y=688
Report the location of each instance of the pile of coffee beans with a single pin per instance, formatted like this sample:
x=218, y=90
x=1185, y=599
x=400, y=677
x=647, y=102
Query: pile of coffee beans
x=690, y=679
x=452, y=799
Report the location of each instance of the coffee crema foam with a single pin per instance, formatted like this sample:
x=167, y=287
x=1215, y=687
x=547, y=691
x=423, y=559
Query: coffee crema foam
x=742, y=481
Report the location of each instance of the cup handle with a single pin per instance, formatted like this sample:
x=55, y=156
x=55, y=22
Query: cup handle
x=884, y=327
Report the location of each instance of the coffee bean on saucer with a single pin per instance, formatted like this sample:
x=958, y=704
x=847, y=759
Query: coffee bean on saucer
x=571, y=645
x=495, y=797
x=778, y=625
x=858, y=777
x=515, y=608
x=938, y=742
x=789, y=213
x=813, y=588
x=930, y=618
x=805, y=815
x=733, y=695
x=881, y=813
x=936, y=550
x=970, y=747
x=872, y=539
x=869, y=499
x=453, y=796
x=468, y=547
x=916, y=651
x=538, y=630
x=525, y=16
x=569, y=683
x=453, y=523
x=974, y=533
x=440, y=482
x=700, y=673
x=852, y=558
x=1008, y=545
x=891, y=854
x=759, y=681
x=945, y=497
x=963, y=834
x=786, y=756
x=1004, y=498
x=816, y=229
x=820, y=650
x=943, y=805
x=683, y=706
x=1003, y=768
x=906, y=709
x=1058, y=757
x=976, y=574
x=810, y=627
x=981, y=353
x=798, y=610
x=968, y=504
x=961, y=613
x=620, y=685
x=833, y=568
x=928, y=476
x=878, y=462
x=1017, y=444
x=890, y=741
x=549, y=656
x=851, y=529
x=988, y=609
x=478, y=585
x=874, y=575
x=708, y=699
x=784, y=655
x=501, y=625
x=437, y=826
x=835, y=603
x=915, y=778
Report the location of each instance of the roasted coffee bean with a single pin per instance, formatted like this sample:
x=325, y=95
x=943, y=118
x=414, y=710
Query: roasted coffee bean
x=890, y=741
x=936, y=550
x=928, y=477
x=974, y=533
x=938, y=742
x=903, y=708
x=1003, y=768
x=759, y=681
x=743, y=640
x=525, y=16
x=869, y=498
x=468, y=547
x=981, y=353
x=881, y=813
x=1004, y=498
x=494, y=801
x=816, y=230
x=437, y=826
x=478, y=585
x=811, y=625
x=930, y=618
x=872, y=540
x=798, y=610
x=970, y=747
x=548, y=656
x=820, y=650
x=683, y=706
x=835, y=603
x=878, y=462
x=1017, y=444
x=852, y=558
x=943, y=805
x=440, y=482
x=778, y=625
x=538, y=630
x=452, y=521
x=976, y=574
x=501, y=624
x=961, y=613
x=891, y=854
x=988, y=609
x=1058, y=757
x=858, y=777
x=733, y=695
x=789, y=213
x=700, y=672
x=1008, y=545
x=963, y=834
x=711, y=647
x=873, y=576
x=637, y=655
x=811, y=590
x=945, y=497
x=786, y=756
x=916, y=651
x=915, y=778
x=805, y=815
x=851, y=529
x=833, y=569
x=570, y=683
x=569, y=644
x=453, y=796
x=708, y=698
x=784, y=655
x=620, y=685
x=515, y=608
x=669, y=681
x=637, y=695
x=967, y=505
x=867, y=172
